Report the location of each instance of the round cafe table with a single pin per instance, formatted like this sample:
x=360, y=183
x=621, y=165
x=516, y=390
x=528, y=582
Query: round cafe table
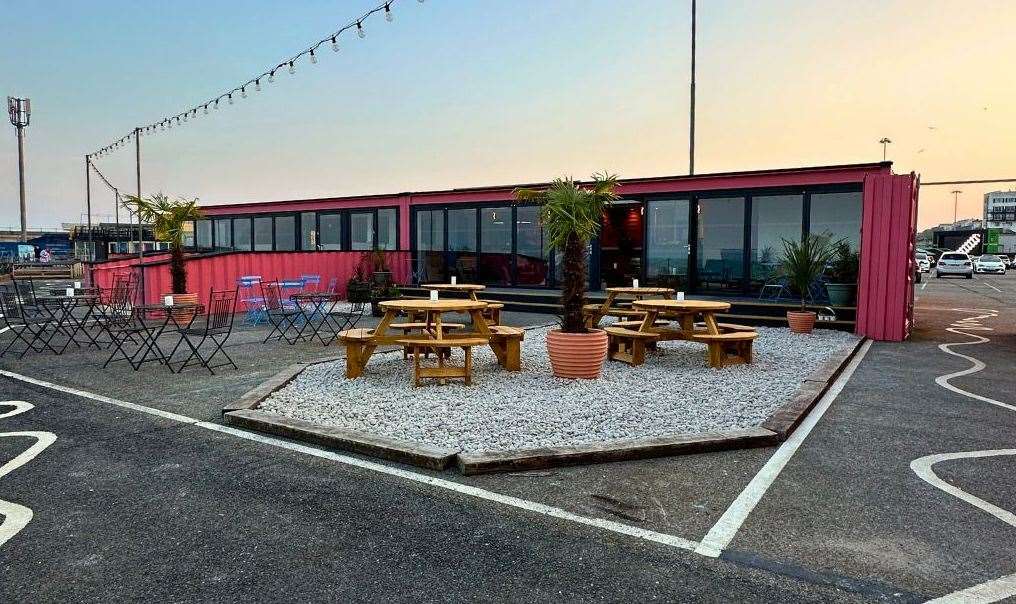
x=595, y=312
x=684, y=311
x=432, y=310
x=468, y=288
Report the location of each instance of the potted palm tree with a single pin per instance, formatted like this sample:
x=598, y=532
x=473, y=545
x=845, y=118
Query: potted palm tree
x=802, y=264
x=571, y=215
x=168, y=219
x=842, y=286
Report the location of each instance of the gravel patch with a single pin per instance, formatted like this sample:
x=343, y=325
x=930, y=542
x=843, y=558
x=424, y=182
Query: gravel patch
x=675, y=392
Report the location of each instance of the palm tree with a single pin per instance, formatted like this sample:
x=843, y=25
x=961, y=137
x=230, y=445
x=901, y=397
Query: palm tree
x=804, y=262
x=571, y=215
x=168, y=219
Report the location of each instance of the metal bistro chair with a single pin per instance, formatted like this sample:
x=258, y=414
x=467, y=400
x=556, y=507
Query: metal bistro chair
x=218, y=325
x=333, y=285
x=283, y=317
x=115, y=309
x=253, y=305
x=311, y=283
x=344, y=318
x=26, y=323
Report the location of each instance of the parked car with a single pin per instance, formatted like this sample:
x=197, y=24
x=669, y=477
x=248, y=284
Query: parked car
x=954, y=264
x=923, y=264
x=1006, y=260
x=930, y=254
x=990, y=263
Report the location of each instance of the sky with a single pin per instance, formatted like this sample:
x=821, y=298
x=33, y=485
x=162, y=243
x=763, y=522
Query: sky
x=474, y=92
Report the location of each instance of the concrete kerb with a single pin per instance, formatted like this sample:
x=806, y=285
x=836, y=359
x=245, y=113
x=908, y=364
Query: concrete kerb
x=777, y=427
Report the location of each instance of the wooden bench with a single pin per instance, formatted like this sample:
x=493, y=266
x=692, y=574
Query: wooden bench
x=506, y=342
x=355, y=340
x=636, y=324
x=442, y=372
x=493, y=312
x=628, y=345
x=407, y=328
x=732, y=348
x=727, y=327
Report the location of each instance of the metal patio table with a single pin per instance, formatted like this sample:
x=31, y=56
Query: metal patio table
x=150, y=322
x=316, y=317
x=62, y=309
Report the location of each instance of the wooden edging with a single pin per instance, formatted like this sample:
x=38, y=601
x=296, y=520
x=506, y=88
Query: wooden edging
x=774, y=430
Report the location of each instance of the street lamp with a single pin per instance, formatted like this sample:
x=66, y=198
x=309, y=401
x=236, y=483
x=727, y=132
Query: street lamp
x=885, y=141
x=20, y=111
x=956, y=203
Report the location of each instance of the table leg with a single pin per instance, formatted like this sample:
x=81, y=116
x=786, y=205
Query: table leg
x=710, y=322
x=648, y=321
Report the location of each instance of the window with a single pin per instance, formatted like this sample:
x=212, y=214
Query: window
x=387, y=229
x=667, y=242
x=204, y=233
x=773, y=219
x=430, y=230
x=496, y=245
x=330, y=232
x=263, y=233
x=532, y=258
x=462, y=230
x=241, y=234
x=720, y=243
x=837, y=214
x=308, y=231
x=188, y=235
x=285, y=233
x=361, y=230
x=223, y=233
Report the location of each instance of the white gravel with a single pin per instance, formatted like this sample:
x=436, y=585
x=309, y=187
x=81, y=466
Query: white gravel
x=675, y=392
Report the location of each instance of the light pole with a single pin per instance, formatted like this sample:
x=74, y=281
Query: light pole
x=20, y=111
x=885, y=141
x=956, y=203
x=691, y=125
x=88, y=205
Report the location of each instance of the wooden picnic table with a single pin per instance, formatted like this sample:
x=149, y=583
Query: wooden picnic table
x=684, y=312
x=595, y=312
x=468, y=288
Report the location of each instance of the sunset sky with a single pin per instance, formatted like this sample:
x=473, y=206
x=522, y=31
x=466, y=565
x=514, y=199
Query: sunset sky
x=474, y=92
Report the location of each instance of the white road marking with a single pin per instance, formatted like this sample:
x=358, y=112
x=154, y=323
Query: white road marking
x=723, y=532
x=531, y=506
x=983, y=593
x=17, y=516
x=922, y=467
x=992, y=287
x=924, y=285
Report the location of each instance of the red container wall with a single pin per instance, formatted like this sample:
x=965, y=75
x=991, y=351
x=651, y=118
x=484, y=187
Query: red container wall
x=885, y=288
x=220, y=271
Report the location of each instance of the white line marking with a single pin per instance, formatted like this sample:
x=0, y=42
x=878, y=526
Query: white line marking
x=17, y=516
x=924, y=285
x=723, y=532
x=922, y=467
x=983, y=593
x=992, y=287
x=532, y=506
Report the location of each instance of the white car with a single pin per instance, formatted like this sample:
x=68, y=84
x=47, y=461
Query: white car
x=923, y=263
x=990, y=263
x=954, y=264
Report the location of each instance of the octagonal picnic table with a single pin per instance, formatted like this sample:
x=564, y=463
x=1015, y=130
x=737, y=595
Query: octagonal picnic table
x=684, y=312
x=469, y=288
x=595, y=312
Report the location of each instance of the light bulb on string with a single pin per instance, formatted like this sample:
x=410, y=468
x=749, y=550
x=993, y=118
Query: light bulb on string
x=271, y=76
x=359, y=30
x=292, y=69
x=313, y=57
x=243, y=92
x=230, y=96
x=206, y=108
x=389, y=17
x=257, y=85
x=335, y=45
x=216, y=103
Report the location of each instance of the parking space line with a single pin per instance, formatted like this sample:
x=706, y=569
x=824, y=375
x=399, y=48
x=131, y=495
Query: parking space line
x=983, y=593
x=516, y=502
x=992, y=287
x=726, y=528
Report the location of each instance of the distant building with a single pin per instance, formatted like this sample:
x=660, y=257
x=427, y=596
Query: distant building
x=1000, y=209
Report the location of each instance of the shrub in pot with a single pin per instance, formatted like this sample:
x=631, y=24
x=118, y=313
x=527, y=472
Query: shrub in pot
x=570, y=215
x=168, y=219
x=803, y=263
x=842, y=285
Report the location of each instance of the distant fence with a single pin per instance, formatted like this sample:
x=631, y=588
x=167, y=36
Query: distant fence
x=220, y=271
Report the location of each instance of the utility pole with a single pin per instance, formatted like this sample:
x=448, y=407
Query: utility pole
x=88, y=205
x=885, y=141
x=956, y=202
x=20, y=111
x=691, y=125
x=141, y=239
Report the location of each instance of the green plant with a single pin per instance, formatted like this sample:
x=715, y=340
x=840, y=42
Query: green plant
x=168, y=219
x=571, y=216
x=845, y=264
x=804, y=261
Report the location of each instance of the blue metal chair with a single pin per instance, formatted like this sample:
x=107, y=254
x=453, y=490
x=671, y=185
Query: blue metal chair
x=311, y=283
x=253, y=304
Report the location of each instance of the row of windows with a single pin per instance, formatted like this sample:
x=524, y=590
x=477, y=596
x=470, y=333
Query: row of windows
x=361, y=229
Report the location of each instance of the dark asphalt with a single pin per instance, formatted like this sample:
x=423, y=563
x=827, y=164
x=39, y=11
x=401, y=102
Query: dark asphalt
x=130, y=506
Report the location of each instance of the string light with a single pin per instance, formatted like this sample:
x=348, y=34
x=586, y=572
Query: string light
x=310, y=51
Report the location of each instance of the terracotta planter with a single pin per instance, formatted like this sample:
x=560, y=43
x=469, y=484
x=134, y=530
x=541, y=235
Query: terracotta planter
x=183, y=316
x=801, y=322
x=577, y=355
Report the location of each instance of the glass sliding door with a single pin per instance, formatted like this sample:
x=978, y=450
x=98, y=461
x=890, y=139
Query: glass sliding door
x=330, y=232
x=461, y=255
x=773, y=219
x=720, y=264
x=496, y=246
x=430, y=261
x=667, y=245
x=837, y=215
x=532, y=254
x=241, y=234
x=361, y=230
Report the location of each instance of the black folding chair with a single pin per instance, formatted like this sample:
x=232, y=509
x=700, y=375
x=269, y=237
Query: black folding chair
x=27, y=323
x=218, y=325
x=115, y=309
x=283, y=317
x=344, y=319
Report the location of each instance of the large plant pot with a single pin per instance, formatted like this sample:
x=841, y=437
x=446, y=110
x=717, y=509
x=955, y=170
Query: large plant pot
x=841, y=294
x=577, y=355
x=183, y=316
x=801, y=322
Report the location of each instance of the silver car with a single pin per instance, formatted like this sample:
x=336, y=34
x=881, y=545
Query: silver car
x=954, y=264
x=990, y=263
